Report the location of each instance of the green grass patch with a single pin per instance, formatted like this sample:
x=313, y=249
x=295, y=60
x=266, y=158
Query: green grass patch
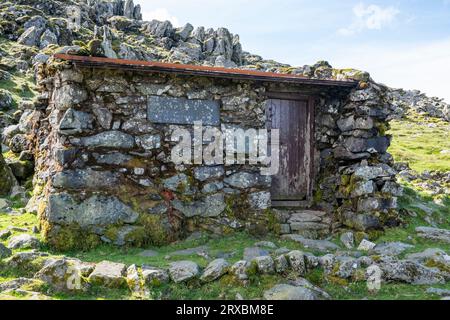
x=420, y=141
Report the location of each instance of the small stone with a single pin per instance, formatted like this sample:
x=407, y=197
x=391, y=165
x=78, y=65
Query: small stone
x=109, y=274
x=24, y=241
x=366, y=245
x=214, y=270
x=182, y=271
x=63, y=275
x=290, y=292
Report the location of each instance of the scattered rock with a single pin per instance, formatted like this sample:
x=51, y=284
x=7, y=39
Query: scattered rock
x=63, y=275
x=239, y=269
x=154, y=276
x=297, y=262
x=182, y=271
x=265, y=264
x=409, y=272
x=291, y=292
x=24, y=241
x=214, y=270
x=319, y=245
x=108, y=274
x=391, y=248
x=434, y=234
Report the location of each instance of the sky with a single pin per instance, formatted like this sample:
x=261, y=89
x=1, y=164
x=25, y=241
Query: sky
x=401, y=43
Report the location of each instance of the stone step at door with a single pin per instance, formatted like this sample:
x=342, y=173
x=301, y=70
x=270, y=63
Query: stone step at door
x=312, y=224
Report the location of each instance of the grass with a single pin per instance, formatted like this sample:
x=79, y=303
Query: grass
x=21, y=86
x=419, y=141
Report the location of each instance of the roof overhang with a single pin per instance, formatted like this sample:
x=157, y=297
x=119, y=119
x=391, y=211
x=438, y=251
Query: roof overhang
x=196, y=70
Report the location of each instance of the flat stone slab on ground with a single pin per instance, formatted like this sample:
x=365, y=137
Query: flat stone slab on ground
x=109, y=274
x=434, y=234
x=294, y=292
x=319, y=245
x=391, y=248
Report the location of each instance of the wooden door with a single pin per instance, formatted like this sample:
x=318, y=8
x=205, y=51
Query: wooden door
x=294, y=119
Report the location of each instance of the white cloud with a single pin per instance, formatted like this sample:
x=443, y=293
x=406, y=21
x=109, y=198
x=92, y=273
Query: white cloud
x=422, y=66
x=371, y=17
x=161, y=14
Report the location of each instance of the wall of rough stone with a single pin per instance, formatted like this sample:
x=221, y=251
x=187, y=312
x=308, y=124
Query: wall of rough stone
x=103, y=171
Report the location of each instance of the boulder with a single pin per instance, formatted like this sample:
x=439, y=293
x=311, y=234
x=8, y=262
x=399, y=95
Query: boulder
x=154, y=276
x=182, y=271
x=410, y=272
x=4, y=252
x=24, y=241
x=108, y=274
x=63, y=275
x=239, y=269
x=214, y=270
x=297, y=262
x=264, y=264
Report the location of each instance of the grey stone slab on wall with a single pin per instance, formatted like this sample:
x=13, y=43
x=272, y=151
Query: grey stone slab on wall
x=183, y=111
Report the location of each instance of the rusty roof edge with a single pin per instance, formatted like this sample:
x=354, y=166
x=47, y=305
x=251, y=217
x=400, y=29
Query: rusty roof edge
x=189, y=69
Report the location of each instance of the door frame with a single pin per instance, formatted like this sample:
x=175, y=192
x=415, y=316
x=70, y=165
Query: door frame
x=311, y=103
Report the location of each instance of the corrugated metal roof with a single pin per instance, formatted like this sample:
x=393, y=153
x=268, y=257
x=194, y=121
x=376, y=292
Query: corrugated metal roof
x=189, y=69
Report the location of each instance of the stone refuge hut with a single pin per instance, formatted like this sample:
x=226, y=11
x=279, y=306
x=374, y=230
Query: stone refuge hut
x=103, y=128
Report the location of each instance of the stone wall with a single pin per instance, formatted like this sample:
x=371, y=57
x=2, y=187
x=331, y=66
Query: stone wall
x=103, y=171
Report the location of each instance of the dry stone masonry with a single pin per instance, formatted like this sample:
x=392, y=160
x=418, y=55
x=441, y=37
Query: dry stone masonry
x=103, y=143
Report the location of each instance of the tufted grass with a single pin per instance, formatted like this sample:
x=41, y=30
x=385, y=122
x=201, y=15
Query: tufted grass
x=226, y=288
x=419, y=141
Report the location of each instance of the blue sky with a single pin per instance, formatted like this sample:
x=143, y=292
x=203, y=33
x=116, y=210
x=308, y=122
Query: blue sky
x=403, y=43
